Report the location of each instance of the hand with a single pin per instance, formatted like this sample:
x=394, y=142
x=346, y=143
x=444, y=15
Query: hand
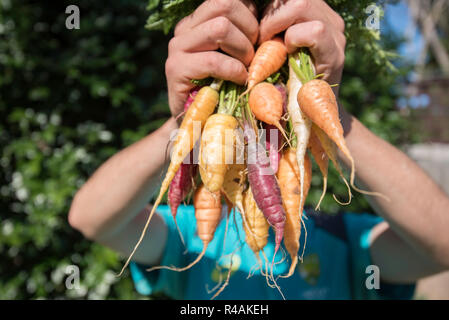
x=228, y=25
x=312, y=24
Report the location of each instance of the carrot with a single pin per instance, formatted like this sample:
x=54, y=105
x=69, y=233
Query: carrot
x=233, y=185
x=255, y=225
x=283, y=90
x=233, y=188
x=256, y=233
x=320, y=104
x=288, y=177
x=331, y=151
x=217, y=149
x=273, y=143
x=191, y=97
x=202, y=107
x=208, y=213
x=219, y=139
x=183, y=180
x=266, y=102
x=179, y=187
x=264, y=186
x=321, y=159
x=269, y=58
x=274, y=140
x=300, y=122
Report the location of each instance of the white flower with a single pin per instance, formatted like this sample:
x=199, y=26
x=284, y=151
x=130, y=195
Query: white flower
x=22, y=194
x=55, y=119
x=7, y=228
x=105, y=136
x=16, y=180
x=39, y=199
x=41, y=119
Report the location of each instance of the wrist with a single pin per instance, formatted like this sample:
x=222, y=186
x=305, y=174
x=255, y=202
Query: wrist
x=161, y=140
x=168, y=131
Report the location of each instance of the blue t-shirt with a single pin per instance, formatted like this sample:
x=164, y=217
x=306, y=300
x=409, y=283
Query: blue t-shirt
x=334, y=263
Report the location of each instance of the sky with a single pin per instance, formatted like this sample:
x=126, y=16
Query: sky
x=398, y=16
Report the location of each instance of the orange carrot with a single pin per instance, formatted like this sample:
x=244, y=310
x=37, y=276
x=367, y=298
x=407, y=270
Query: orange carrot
x=331, y=151
x=269, y=58
x=267, y=104
x=208, y=213
x=318, y=102
x=288, y=176
x=321, y=159
x=197, y=114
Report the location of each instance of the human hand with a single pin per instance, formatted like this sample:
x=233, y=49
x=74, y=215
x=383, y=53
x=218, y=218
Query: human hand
x=312, y=24
x=227, y=25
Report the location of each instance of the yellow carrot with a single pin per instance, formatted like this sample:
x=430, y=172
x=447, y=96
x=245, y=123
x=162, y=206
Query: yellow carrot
x=202, y=107
x=233, y=185
x=255, y=225
x=217, y=149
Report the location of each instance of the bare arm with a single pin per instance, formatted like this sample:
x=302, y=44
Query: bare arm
x=415, y=241
x=106, y=209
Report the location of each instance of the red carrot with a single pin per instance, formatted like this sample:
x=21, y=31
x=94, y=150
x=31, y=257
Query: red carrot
x=181, y=185
x=283, y=90
x=182, y=182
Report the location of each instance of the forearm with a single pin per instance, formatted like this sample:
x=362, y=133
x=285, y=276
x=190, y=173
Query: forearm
x=417, y=210
x=122, y=186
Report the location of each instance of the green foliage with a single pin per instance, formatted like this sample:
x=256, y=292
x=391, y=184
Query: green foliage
x=69, y=99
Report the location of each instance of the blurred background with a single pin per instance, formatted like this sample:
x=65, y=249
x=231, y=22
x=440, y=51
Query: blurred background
x=69, y=99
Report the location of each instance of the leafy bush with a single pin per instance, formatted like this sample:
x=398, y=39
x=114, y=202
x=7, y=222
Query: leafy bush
x=69, y=99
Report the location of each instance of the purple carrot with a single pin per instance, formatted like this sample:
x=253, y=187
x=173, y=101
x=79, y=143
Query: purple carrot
x=264, y=186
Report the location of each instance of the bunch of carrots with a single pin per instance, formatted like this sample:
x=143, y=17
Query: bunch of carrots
x=266, y=182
